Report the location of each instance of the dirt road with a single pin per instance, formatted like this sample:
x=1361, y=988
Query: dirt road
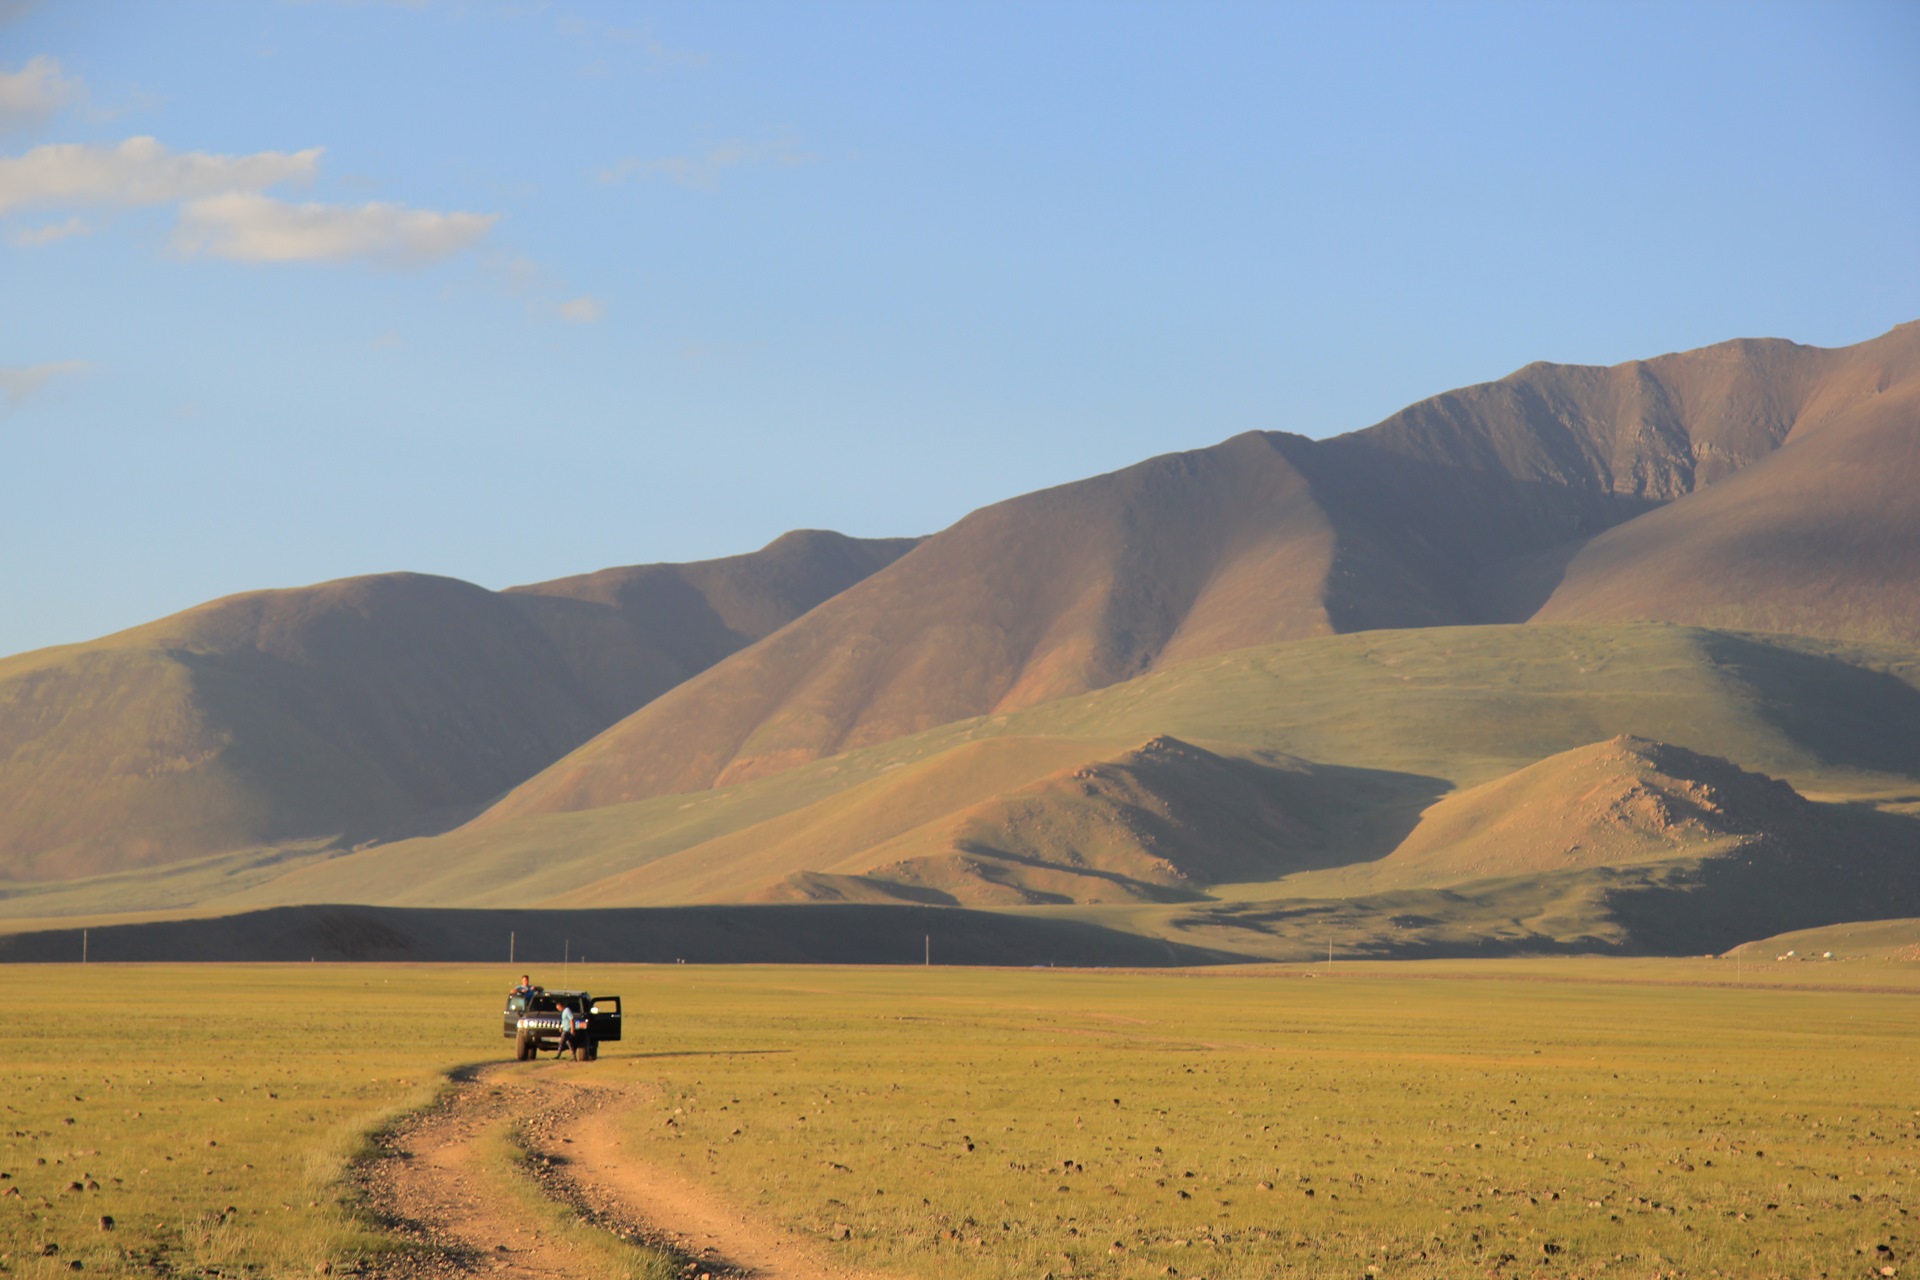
x=448, y=1180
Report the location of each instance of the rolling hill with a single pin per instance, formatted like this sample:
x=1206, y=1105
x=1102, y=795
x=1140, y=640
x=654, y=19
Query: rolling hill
x=1560, y=491
x=363, y=708
x=1439, y=823
x=1626, y=800
x=1446, y=709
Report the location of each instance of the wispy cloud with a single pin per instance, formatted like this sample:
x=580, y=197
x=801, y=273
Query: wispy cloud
x=223, y=211
x=33, y=237
x=546, y=294
x=34, y=92
x=139, y=171
x=20, y=383
x=245, y=226
x=703, y=171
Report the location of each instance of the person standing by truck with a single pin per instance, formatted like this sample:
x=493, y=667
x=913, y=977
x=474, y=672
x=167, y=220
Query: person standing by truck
x=570, y=1032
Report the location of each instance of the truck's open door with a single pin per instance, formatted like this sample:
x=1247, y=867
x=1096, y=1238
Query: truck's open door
x=603, y=1018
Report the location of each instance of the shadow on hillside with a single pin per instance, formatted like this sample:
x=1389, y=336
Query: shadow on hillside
x=1129, y=888
x=1357, y=814
x=1850, y=862
x=1847, y=716
x=822, y=933
x=1512, y=591
x=1842, y=863
x=1424, y=542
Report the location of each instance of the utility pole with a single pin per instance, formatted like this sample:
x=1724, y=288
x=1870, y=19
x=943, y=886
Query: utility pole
x=510, y=942
x=83, y=946
x=928, y=962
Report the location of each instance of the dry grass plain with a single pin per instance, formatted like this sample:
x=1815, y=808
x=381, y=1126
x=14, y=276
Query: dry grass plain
x=1563, y=1117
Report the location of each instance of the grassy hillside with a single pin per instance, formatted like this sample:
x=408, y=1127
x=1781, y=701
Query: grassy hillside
x=1450, y=708
x=1437, y=516
x=1157, y=823
x=368, y=707
x=1854, y=940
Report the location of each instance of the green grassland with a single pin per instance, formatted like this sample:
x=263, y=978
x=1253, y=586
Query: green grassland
x=209, y=1111
x=1548, y=1117
x=1533, y=1118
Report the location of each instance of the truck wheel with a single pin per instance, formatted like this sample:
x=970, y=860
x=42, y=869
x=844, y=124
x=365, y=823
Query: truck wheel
x=521, y=1049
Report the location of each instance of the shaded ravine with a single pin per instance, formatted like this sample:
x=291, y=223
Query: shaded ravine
x=444, y=1182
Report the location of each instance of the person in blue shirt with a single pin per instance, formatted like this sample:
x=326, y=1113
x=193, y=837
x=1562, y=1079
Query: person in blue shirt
x=571, y=1026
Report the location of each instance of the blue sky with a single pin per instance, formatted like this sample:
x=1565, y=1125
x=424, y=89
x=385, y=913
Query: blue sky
x=514, y=290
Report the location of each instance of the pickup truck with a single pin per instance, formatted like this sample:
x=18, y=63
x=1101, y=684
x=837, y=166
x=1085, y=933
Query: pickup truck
x=532, y=1021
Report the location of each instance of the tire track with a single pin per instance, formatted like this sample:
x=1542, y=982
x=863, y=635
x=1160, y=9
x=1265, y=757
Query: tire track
x=443, y=1183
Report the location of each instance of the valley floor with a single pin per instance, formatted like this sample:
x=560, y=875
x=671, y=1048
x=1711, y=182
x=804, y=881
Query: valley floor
x=1745, y=1116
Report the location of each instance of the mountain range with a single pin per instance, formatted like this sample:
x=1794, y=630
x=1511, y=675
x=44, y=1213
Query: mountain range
x=1613, y=647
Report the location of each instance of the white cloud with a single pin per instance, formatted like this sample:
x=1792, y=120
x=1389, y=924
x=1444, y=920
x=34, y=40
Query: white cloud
x=139, y=171
x=704, y=170
x=18, y=383
x=585, y=309
x=248, y=227
x=223, y=213
x=34, y=92
x=33, y=237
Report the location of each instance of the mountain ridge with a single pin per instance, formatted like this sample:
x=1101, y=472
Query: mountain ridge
x=364, y=707
x=1439, y=515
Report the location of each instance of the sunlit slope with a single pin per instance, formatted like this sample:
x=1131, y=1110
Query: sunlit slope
x=1036, y=598
x=1421, y=711
x=365, y=707
x=1612, y=803
x=1821, y=538
x=1168, y=819
x=1159, y=822
x=1439, y=515
x=972, y=824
